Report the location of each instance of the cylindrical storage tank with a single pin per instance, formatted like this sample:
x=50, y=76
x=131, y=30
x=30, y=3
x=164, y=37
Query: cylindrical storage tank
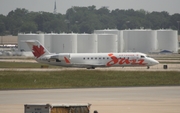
x=140, y=41
x=47, y=41
x=64, y=43
x=125, y=40
x=107, y=43
x=107, y=31
x=115, y=32
x=86, y=43
x=22, y=46
x=120, y=41
x=167, y=40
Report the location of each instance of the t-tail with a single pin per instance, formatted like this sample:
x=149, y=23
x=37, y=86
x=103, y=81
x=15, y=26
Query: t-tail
x=37, y=48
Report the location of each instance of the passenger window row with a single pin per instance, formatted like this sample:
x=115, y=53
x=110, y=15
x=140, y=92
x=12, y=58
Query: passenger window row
x=91, y=58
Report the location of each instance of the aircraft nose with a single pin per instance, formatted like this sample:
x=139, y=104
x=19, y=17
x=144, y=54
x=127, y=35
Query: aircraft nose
x=154, y=62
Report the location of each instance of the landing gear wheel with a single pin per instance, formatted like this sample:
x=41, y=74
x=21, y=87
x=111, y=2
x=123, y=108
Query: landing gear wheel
x=91, y=68
x=148, y=67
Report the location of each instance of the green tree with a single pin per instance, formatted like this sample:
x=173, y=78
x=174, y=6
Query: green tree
x=2, y=25
x=175, y=21
x=85, y=19
x=29, y=27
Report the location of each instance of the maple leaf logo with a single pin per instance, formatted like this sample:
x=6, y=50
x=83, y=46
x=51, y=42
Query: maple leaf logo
x=38, y=51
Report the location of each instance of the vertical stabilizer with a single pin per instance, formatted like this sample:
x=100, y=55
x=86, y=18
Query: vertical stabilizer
x=37, y=48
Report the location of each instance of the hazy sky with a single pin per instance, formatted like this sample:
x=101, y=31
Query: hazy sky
x=171, y=6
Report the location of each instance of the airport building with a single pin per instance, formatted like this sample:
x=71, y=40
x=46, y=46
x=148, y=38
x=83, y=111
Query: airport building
x=105, y=41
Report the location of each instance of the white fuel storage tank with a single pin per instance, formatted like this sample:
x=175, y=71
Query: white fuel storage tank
x=167, y=40
x=64, y=43
x=140, y=41
x=22, y=46
x=86, y=43
x=117, y=32
x=107, y=31
x=48, y=42
x=107, y=43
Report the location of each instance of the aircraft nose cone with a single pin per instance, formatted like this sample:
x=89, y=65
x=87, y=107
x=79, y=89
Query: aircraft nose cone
x=155, y=62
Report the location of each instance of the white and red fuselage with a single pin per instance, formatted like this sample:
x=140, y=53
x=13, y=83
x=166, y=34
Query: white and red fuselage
x=93, y=60
x=90, y=60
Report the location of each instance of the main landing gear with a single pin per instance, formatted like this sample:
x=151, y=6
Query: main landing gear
x=91, y=68
x=148, y=67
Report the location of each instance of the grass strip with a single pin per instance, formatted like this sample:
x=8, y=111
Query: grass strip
x=85, y=78
x=24, y=65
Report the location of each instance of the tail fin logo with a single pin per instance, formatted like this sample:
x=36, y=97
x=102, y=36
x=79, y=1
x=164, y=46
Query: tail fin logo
x=38, y=51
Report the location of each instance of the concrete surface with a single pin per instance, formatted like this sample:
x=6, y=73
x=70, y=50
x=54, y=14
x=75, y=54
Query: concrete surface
x=159, y=67
x=105, y=100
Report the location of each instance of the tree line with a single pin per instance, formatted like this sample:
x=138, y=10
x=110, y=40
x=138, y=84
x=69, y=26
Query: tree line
x=85, y=20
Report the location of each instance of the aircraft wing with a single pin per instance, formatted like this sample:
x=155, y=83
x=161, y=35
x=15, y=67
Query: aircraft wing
x=88, y=65
x=59, y=57
x=54, y=57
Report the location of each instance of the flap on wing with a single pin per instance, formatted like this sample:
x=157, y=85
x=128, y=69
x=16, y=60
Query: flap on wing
x=54, y=57
x=59, y=57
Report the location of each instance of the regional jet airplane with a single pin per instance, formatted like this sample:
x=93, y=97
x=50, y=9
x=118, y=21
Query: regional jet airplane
x=89, y=60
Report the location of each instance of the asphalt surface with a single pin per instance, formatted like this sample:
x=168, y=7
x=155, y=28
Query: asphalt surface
x=172, y=65
x=105, y=100
x=159, y=67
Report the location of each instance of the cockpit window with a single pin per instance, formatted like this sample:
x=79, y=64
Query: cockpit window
x=142, y=56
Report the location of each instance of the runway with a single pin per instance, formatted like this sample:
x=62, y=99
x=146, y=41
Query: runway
x=159, y=67
x=105, y=100
x=172, y=66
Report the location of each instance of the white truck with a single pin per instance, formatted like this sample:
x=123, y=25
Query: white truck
x=57, y=108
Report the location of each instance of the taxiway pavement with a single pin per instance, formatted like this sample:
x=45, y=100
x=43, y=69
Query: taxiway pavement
x=159, y=67
x=105, y=100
